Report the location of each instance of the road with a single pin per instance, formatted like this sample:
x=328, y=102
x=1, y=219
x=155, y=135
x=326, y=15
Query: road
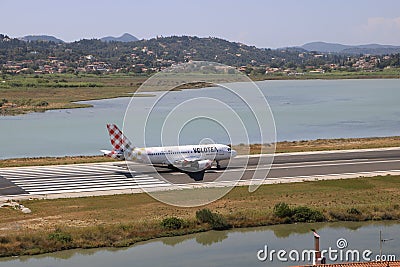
x=112, y=178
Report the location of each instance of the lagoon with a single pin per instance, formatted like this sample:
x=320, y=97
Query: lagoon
x=302, y=109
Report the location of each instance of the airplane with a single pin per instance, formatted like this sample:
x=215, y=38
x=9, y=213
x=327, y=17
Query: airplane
x=187, y=158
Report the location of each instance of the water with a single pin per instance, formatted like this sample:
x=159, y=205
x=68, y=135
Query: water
x=226, y=248
x=308, y=109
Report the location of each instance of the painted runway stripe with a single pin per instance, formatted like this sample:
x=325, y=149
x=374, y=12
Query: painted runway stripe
x=57, y=176
x=334, y=164
x=87, y=181
x=78, y=178
x=71, y=177
x=38, y=192
x=29, y=188
x=71, y=167
x=353, y=174
x=52, y=172
x=321, y=152
x=33, y=188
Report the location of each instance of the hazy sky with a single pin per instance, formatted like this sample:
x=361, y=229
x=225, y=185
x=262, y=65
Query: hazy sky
x=260, y=23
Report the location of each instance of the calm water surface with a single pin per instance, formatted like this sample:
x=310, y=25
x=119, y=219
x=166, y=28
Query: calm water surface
x=225, y=248
x=302, y=110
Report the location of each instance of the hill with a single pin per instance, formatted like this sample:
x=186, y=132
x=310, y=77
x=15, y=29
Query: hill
x=126, y=37
x=45, y=38
x=324, y=47
x=154, y=53
x=151, y=55
x=374, y=49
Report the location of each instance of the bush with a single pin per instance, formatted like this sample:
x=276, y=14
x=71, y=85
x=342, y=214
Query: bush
x=41, y=103
x=204, y=216
x=4, y=240
x=282, y=210
x=172, y=223
x=340, y=216
x=216, y=221
x=219, y=222
x=354, y=211
x=60, y=236
x=297, y=214
x=349, y=215
x=306, y=214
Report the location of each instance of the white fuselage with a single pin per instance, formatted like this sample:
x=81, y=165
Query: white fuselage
x=181, y=154
x=192, y=158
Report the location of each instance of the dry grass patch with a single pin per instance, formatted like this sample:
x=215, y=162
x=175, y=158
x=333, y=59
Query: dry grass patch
x=40, y=161
x=323, y=144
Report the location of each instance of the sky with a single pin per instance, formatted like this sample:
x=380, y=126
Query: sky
x=260, y=23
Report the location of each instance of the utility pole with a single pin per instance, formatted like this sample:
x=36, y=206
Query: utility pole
x=317, y=258
x=380, y=245
x=381, y=241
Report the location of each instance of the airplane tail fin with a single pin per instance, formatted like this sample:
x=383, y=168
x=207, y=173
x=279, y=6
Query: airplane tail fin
x=121, y=144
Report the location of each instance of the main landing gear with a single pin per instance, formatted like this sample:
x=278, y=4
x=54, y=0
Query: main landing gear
x=218, y=166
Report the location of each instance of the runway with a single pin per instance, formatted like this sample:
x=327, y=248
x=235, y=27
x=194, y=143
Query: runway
x=113, y=178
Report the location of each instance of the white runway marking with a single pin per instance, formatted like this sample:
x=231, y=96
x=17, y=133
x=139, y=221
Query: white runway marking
x=307, y=165
x=77, y=178
x=320, y=152
x=322, y=164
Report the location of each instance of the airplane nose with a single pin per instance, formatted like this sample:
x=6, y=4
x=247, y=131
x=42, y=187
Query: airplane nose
x=233, y=153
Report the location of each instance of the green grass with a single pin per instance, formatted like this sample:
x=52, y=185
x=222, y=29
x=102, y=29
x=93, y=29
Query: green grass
x=347, y=185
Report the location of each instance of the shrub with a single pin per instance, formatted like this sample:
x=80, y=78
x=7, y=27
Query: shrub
x=204, y=216
x=338, y=216
x=219, y=222
x=387, y=216
x=60, y=236
x=354, y=211
x=306, y=214
x=4, y=240
x=282, y=210
x=41, y=103
x=297, y=214
x=349, y=215
x=172, y=223
x=216, y=221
